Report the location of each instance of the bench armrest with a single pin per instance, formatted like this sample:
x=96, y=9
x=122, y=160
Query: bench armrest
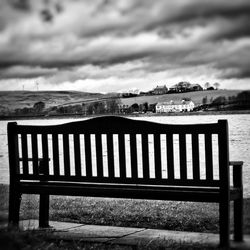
x=237, y=173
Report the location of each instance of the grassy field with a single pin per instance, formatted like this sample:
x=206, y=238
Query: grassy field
x=196, y=97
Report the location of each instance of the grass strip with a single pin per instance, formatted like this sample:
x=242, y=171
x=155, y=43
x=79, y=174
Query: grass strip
x=169, y=215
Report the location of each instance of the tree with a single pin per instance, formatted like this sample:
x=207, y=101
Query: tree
x=204, y=100
x=38, y=107
x=135, y=107
x=145, y=107
x=220, y=100
x=207, y=85
x=216, y=85
x=243, y=98
x=112, y=105
x=90, y=109
x=99, y=107
x=77, y=109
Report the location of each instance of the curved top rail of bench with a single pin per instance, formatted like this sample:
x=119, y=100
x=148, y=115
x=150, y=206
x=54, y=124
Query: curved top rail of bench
x=116, y=125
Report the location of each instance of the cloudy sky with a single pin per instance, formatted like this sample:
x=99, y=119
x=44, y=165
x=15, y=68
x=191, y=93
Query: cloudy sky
x=116, y=45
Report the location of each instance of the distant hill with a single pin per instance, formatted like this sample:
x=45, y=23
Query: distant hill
x=195, y=96
x=21, y=99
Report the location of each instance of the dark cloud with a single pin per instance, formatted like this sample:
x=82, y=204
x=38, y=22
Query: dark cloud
x=236, y=73
x=54, y=39
x=22, y=5
x=46, y=15
x=25, y=72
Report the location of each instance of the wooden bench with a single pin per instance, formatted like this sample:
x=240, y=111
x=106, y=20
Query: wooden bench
x=118, y=157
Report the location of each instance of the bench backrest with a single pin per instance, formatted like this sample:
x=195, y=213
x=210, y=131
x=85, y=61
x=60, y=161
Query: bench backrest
x=112, y=149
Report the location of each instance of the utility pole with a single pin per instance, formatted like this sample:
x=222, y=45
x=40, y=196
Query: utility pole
x=37, y=86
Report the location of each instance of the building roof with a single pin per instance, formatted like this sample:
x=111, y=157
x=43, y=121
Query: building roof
x=160, y=87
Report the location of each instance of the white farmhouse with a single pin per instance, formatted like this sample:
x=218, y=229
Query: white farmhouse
x=177, y=106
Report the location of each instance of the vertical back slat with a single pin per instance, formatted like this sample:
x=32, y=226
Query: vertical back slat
x=145, y=156
x=110, y=149
x=99, y=158
x=183, y=156
x=157, y=155
x=170, y=156
x=77, y=155
x=133, y=152
x=195, y=156
x=34, y=153
x=55, y=154
x=24, y=153
x=66, y=155
x=209, y=156
x=122, y=157
x=45, y=150
x=88, y=157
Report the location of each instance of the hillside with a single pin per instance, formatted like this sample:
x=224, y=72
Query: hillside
x=21, y=99
x=196, y=97
x=12, y=100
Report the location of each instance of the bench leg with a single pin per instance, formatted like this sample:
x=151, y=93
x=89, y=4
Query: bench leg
x=14, y=208
x=224, y=221
x=238, y=219
x=44, y=211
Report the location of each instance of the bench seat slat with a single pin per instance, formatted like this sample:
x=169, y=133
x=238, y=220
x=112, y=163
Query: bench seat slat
x=151, y=181
x=140, y=192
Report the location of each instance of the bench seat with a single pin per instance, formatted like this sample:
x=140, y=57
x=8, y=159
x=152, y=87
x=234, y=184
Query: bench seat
x=177, y=193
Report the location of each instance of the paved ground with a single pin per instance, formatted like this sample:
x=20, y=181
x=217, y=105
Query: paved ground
x=129, y=236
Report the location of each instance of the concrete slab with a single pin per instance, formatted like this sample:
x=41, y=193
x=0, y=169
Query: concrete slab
x=54, y=225
x=95, y=233
x=163, y=237
x=130, y=236
x=245, y=245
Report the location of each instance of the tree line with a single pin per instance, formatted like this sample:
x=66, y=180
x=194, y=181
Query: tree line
x=239, y=102
x=114, y=106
